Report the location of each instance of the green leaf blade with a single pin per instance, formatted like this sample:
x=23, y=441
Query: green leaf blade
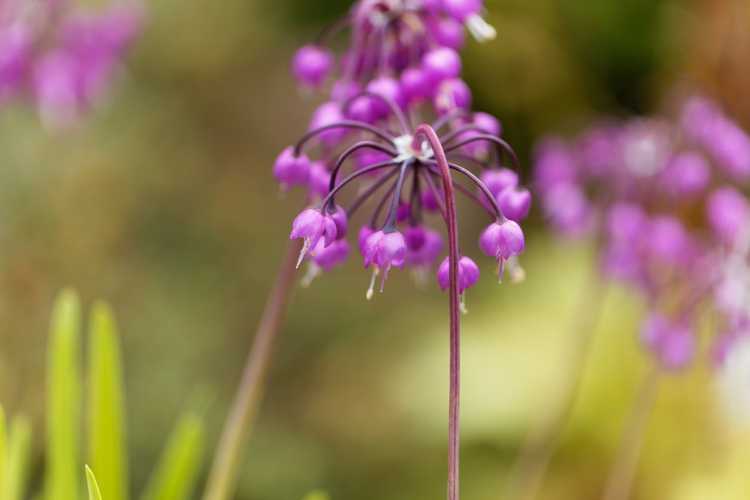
x=63, y=399
x=92, y=485
x=3, y=452
x=19, y=453
x=175, y=476
x=107, y=452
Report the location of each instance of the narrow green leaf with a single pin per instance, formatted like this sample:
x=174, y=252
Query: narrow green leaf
x=175, y=476
x=3, y=453
x=93, y=486
x=19, y=451
x=317, y=495
x=63, y=399
x=107, y=452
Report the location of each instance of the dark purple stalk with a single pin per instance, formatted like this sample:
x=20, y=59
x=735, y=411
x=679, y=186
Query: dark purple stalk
x=362, y=198
x=359, y=173
x=381, y=205
x=472, y=196
x=433, y=189
x=502, y=146
x=392, y=106
x=350, y=151
x=350, y=124
x=390, y=224
x=455, y=315
x=446, y=119
x=223, y=474
x=482, y=187
x=620, y=482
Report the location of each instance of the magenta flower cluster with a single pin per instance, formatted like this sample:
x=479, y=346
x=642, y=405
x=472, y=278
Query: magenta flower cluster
x=61, y=56
x=402, y=68
x=664, y=200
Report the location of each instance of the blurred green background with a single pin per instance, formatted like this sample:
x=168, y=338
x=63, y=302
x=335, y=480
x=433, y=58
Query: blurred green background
x=163, y=203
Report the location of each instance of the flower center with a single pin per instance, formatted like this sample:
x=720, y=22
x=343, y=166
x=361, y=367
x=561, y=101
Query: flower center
x=406, y=150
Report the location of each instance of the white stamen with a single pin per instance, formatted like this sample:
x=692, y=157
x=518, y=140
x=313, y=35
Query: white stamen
x=313, y=271
x=480, y=29
x=303, y=252
x=462, y=304
x=517, y=273
x=500, y=270
x=371, y=289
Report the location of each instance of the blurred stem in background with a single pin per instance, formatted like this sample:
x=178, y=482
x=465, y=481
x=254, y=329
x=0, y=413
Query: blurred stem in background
x=620, y=481
x=543, y=440
x=721, y=45
x=223, y=474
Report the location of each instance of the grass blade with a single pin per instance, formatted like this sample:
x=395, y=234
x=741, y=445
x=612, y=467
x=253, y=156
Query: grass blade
x=63, y=399
x=17, y=467
x=92, y=485
x=3, y=453
x=107, y=452
x=175, y=476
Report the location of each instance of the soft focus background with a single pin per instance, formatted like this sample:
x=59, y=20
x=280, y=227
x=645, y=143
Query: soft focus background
x=163, y=203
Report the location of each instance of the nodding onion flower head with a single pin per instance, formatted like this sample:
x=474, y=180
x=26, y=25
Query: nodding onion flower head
x=403, y=67
x=665, y=201
x=61, y=55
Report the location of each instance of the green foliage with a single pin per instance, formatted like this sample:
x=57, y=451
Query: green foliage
x=107, y=452
x=175, y=476
x=3, y=460
x=17, y=460
x=93, y=486
x=63, y=399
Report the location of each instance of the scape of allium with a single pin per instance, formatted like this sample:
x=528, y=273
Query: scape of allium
x=665, y=200
x=362, y=151
x=61, y=56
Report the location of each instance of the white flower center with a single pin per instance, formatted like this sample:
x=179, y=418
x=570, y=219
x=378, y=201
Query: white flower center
x=406, y=151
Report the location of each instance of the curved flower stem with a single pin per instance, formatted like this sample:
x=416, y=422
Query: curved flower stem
x=223, y=474
x=542, y=441
x=620, y=481
x=455, y=316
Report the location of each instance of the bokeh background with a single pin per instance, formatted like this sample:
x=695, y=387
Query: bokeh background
x=163, y=203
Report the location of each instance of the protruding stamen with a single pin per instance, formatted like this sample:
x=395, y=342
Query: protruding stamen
x=313, y=271
x=371, y=288
x=303, y=252
x=500, y=270
x=480, y=29
x=516, y=272
x=462, y=304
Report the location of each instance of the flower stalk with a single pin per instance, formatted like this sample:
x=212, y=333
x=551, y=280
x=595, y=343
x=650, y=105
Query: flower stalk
x=620, y=482
x=542, y=441
x=455, y=310
x=223, y=474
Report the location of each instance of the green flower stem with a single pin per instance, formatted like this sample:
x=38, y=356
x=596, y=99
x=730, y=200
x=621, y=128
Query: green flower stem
x=620, y=481
x=543, y=440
